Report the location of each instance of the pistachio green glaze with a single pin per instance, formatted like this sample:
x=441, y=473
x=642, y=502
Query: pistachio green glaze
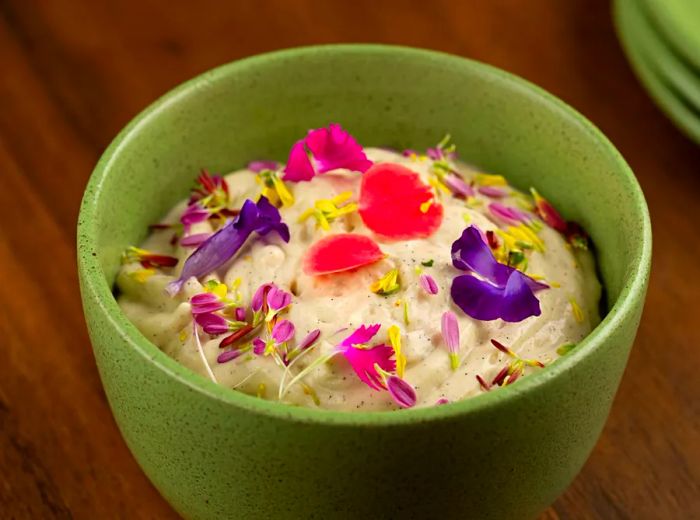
x=216, y=453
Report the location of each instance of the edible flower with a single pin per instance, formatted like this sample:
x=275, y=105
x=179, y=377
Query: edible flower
x=283, y=331
x=576, y=310
x=210, y=191
x=511, y=372
x=393, y=203
x=261, y=217
x=565, y=348
x=508, y=214
x=148, y=259
x=395, y=340
x=258, y=166
x=322, y=150
x=194, y=240
x=450, y=335
x=341, y=252
x=488, y=179
x=274, y=188
x=400, y=391
x=387, y=284
x=493, y=191
x=268, y=301
x=327, y=210
x=458, y=186
x=576, y=236
x=490, y=290
x=547, y=212
x=428, y=284
x=365, y=360
x=193, y=214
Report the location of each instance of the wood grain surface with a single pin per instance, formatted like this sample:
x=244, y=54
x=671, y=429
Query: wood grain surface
x=73, y=72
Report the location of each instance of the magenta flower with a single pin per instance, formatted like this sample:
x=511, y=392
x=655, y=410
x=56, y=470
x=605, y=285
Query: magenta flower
x=211, y=323
x=508, y=214
x=330, y=148
x=450, y=335
x=309, y=339
x=443, y=400
x=493, y=191
x=193, y=214
x=258, y=299
x=490, y=290
x=229, y=355
x=428, y=284
x=363, y=359
x=215, y=251
x=278, y=299
x=259, y=166
x=259, y=346
x=239, y=313
x=283, y=331
x=408, y=152
x=401, y=392
x=205, y=303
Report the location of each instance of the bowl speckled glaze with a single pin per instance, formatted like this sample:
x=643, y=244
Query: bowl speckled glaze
x=217, y=453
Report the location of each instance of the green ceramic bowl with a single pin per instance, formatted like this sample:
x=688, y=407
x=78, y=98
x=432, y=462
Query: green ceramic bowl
x=216, y=453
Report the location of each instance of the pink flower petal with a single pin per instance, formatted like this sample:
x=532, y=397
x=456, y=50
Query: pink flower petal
x=258, y=166
x=401, y=392
x=363, y=360
x=334, y=148
x=508, y=214
x=278, y=299
x=428, y=284
x=258, y=346
x=193, y=214
x=298, y=166
x=450, y=335
x=309, y=339
x=493, y=191
x=194, y=240
x=229, y=355
x=212, y=324
x=283, y=331
x=205, y=303
x=457, y=186
x=341, y=252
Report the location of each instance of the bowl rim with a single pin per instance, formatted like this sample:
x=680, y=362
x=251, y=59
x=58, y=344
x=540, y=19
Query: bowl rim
x=91, y=273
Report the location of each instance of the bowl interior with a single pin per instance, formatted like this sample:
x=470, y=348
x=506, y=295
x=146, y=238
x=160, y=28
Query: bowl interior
x=385, y=96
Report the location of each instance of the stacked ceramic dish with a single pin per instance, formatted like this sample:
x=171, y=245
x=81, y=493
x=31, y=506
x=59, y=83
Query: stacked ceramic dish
x=662, y=41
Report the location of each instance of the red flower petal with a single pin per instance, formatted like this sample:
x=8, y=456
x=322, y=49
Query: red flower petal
x=336, y=253
x=391, y=196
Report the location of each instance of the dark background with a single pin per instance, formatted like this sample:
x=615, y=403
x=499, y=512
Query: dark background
x=73, y=72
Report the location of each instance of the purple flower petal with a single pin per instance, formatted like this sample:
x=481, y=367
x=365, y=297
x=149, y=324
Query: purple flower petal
x=212, y=324
x=401, y=392
x=484, y=301
x=205, y=303
x=508, y=214
x=194, y=240
x=262, y=218
x=408, y=152
x=457, y=185
x=298, y=166
x=309, y=339
x=334, y=148
x=229, y=355
x=283, y=331
x=258, y=166
x=428, y=284
x=258, y=347
x=443, y=400
x=278, y=299
x=499, y=292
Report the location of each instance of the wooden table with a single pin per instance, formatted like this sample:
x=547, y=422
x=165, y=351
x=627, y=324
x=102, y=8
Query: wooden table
x=73, y=72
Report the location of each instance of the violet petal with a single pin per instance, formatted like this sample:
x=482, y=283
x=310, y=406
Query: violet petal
x=401, y=392
x=262, y=217
x=258, y=166
x=283, y=331
x=211, y=323
x=229, y=355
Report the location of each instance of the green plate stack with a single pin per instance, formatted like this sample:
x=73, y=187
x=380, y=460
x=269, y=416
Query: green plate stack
x=662, y=41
